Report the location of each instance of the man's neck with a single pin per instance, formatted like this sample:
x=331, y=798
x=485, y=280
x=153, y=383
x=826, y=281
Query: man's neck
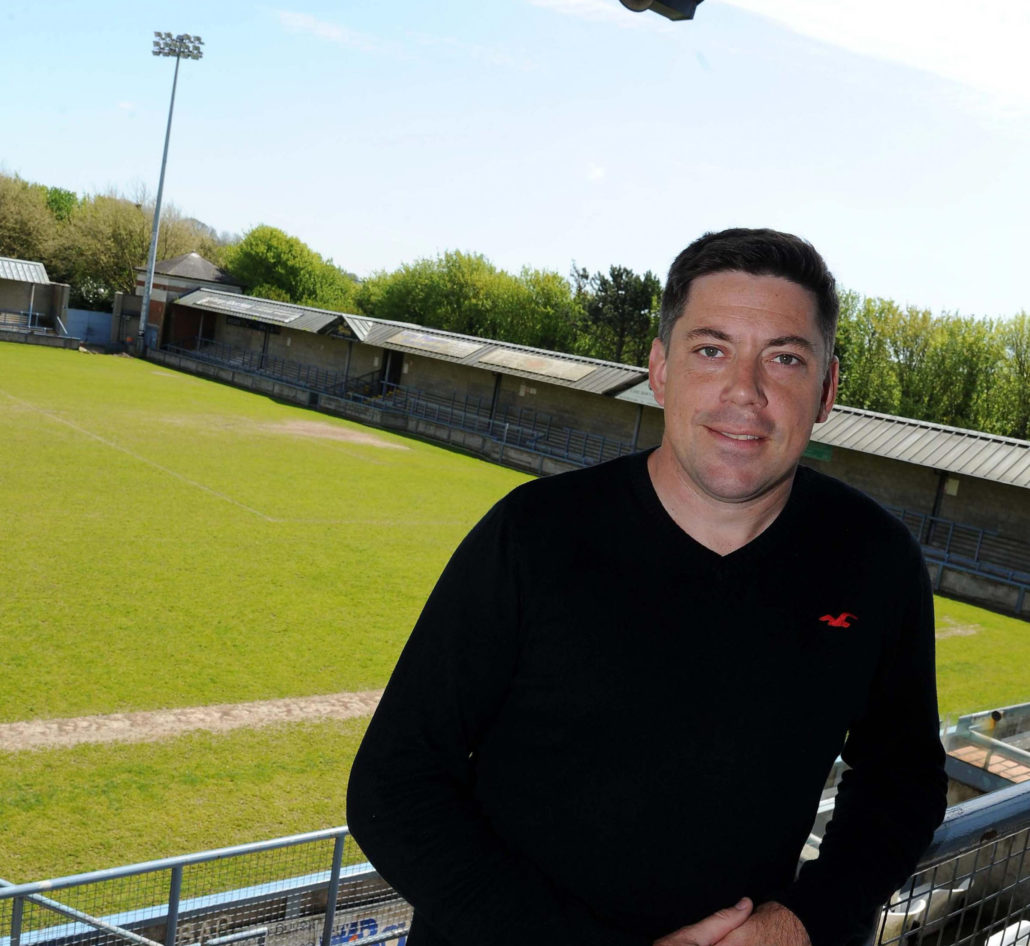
x=718, y=525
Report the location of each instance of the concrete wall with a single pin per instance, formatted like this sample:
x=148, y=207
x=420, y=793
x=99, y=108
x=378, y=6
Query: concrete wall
x=240, y=336
x=446, y=378
x=364, y=360
x=890, y=482
x=980, y=589
x=32, y=338
x=991, y=505
x=322, y=351
x=596, y=414
x=652, y=426
x=241, y=379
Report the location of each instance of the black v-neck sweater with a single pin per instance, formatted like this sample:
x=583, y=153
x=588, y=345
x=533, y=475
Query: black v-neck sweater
x=601, y=730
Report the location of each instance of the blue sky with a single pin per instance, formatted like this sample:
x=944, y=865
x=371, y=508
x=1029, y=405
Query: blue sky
x=895, y=134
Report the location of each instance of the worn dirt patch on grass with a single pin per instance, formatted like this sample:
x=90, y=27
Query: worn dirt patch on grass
x=949, y=627
x=164, y=724
x=315, y=428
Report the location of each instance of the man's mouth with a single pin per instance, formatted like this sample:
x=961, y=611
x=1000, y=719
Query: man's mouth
x=740, y=436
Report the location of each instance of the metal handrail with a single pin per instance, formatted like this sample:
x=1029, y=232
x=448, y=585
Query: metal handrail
x=167, y=863
x=980, y=824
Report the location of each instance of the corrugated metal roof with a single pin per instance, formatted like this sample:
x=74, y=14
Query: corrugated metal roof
x=301, y=318
x=534, y=364
x=359, y=326
x=570, y=371
x=22, y=270
x=952, y=449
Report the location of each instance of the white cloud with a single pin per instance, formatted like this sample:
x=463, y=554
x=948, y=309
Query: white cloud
x=982, y=45
x=306, y=23
x=595, y=172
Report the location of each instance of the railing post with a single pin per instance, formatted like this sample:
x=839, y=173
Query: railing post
x=333, y=891
x=16, y=914
x=174, y=896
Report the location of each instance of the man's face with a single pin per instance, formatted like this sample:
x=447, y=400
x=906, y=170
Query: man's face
x=745, y=377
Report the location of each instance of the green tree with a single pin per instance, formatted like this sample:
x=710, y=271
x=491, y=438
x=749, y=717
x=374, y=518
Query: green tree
x=106, y=238
x=27, y=226
x=550, y=317
x=61, y=203
x=958, y=369
x=465, y=293
x=1010, y=397
x=621, y=313
x=274, y=265
x=99, y=248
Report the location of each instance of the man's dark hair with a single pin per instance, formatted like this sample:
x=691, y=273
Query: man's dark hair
x=760, y=253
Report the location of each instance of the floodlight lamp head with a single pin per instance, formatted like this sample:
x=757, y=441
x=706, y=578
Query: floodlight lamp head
x=637, y=6
x=183, y=46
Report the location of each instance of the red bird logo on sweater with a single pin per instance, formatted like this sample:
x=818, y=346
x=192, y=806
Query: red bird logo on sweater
x=840, y=621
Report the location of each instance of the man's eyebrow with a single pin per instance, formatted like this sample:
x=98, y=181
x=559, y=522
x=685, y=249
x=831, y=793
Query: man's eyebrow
x=705, y=332
x=798, y=341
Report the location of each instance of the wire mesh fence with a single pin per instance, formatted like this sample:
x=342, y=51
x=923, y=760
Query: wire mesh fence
x=980, y=897
x=972, y=888
x=306, y=890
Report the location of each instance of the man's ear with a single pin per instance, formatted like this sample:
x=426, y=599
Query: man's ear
x=656, y=367
x=829, y=394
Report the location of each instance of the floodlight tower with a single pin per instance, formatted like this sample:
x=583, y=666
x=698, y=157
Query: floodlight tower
x=183, y=46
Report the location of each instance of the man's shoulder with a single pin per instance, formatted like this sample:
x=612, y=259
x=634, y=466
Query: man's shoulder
x=599, y=487
x=850, y=514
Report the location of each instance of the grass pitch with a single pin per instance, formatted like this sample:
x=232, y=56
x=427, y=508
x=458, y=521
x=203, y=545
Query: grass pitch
x=168, y=541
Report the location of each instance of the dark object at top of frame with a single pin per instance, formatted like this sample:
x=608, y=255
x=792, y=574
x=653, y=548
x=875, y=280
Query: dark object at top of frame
x=673, y=9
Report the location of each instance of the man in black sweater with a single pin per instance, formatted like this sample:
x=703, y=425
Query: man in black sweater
x=618, y=708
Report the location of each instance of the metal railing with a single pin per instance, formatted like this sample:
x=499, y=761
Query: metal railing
x=970, y=550
x=23, y=321
x=967, y=545
x=523, y=428
x=971, y=888
x=311, y=889
x=298, y=373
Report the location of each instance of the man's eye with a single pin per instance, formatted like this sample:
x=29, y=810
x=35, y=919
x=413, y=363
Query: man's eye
x=785, y=358
x=710, y=351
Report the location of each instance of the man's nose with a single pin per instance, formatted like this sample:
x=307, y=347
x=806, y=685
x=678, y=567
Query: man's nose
x=744, y=384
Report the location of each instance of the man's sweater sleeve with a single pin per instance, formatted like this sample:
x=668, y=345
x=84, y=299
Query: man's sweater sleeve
x=893, y=795
x=410, y=801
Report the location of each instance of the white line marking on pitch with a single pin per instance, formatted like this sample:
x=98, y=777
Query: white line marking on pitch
x=139, y=457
